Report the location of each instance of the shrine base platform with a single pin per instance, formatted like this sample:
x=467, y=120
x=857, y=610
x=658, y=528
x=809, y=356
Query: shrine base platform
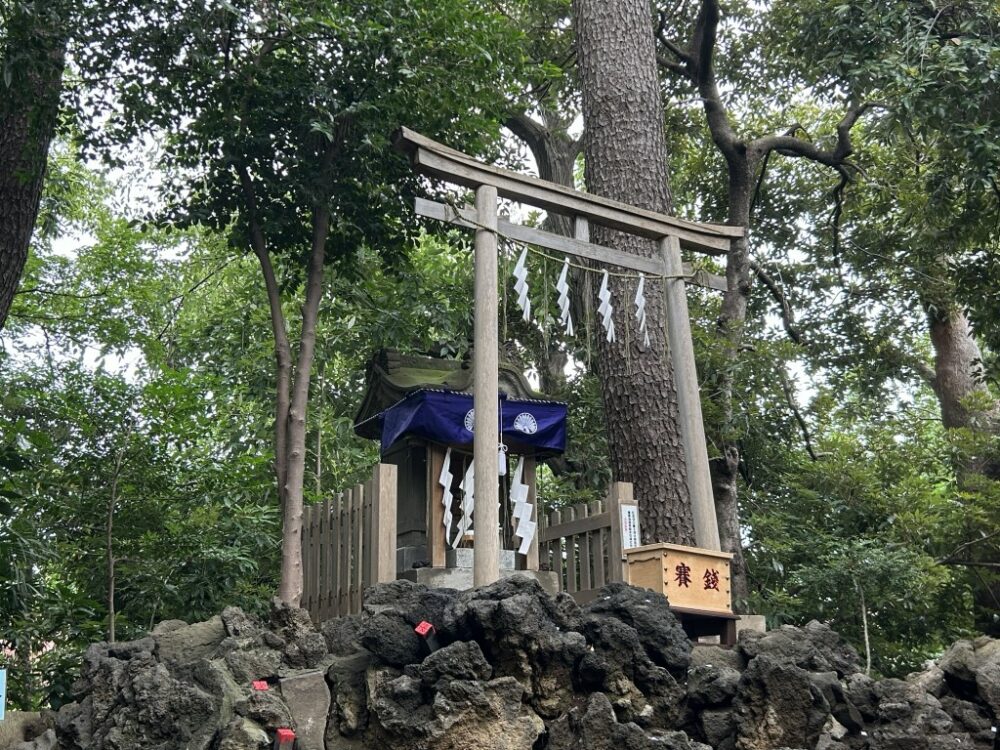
x=461, y=577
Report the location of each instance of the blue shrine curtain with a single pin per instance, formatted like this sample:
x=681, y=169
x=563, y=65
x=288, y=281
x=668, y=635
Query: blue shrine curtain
x=528, y=427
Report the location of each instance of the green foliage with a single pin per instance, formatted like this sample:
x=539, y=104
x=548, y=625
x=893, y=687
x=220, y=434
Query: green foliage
x=158, y=354
x=194, y=526
x=300, y=99
x=870, y=517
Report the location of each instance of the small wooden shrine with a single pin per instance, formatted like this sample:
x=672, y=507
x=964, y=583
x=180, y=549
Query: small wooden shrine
x=421, y=409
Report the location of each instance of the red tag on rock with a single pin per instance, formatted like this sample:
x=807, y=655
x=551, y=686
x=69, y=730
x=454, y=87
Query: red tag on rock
x=259, y=685
x=424, y=628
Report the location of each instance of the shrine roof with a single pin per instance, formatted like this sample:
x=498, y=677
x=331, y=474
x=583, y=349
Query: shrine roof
x=391, y=375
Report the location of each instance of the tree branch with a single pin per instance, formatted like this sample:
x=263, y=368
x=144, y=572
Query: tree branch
x=701, y=61
x=789, y=396
x=182, y=297
x=52, y=292
x=759, y=184
x=787, y=144
x=527, y=129
x=837, y=214
x=950, y=557
x=971, y=563
x=673, y=67
x=661, y=34
x=778, y=293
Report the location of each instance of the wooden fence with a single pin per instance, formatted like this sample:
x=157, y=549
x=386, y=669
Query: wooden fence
x=349, y=543
x=584, y=543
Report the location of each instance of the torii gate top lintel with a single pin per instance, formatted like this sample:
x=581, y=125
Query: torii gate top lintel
x=437, y=160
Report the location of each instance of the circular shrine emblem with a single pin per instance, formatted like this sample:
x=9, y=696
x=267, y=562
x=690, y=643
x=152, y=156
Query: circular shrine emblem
x=470, y=419
x=526, y=423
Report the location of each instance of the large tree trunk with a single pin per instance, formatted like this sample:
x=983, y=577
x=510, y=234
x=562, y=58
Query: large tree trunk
x=966, y=403
x=626, y=159
x=958, y=372
x=34, y=53
x=958, y=382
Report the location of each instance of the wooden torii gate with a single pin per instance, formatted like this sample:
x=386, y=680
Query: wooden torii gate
x=436, y=160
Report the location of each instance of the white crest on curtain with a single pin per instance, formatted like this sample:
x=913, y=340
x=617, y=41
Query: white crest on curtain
x=604, y=309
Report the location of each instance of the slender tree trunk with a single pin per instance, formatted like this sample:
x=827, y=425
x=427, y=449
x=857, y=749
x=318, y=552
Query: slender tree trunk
x=34, y=54
x=730, y=326
x=626, y=159
x=966, y=403
x=319, y=438
x=696, y=63
x=279, y=330
x=864, y=627
x=109, y=537
x=290, y=589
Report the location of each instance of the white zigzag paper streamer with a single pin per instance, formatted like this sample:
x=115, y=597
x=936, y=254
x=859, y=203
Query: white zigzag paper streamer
x=522, y=508
x=468, y=506
x=446, y=497
x=521, y=285
x=519, y=494
x=528, y=527
x=640, y=309
x=562, y=286
x=605, y=309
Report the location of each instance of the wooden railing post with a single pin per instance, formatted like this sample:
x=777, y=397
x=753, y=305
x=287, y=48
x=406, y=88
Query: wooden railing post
x=436, y=533
x=326, y=586
x=531, y=559
x=307, y=578
x=383, y=534
x=619, y=494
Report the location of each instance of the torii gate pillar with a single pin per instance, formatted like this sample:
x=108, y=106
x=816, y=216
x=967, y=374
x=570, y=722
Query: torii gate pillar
x=486, y=560
x=692, y=428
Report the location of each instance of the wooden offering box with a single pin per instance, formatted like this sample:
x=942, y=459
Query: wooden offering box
x=693, y=579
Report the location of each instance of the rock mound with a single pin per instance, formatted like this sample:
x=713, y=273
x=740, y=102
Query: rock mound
x=512, y=668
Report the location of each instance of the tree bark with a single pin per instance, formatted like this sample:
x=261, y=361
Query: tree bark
x=35, y=51
x=958, y=371
x=959, y=376
x=626, y=159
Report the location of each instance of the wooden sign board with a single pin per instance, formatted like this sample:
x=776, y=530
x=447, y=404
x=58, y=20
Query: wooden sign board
x=690, y=577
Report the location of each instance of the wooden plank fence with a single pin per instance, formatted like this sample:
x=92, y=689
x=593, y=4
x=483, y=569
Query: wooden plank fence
x=348, y=544
x=584, y=544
